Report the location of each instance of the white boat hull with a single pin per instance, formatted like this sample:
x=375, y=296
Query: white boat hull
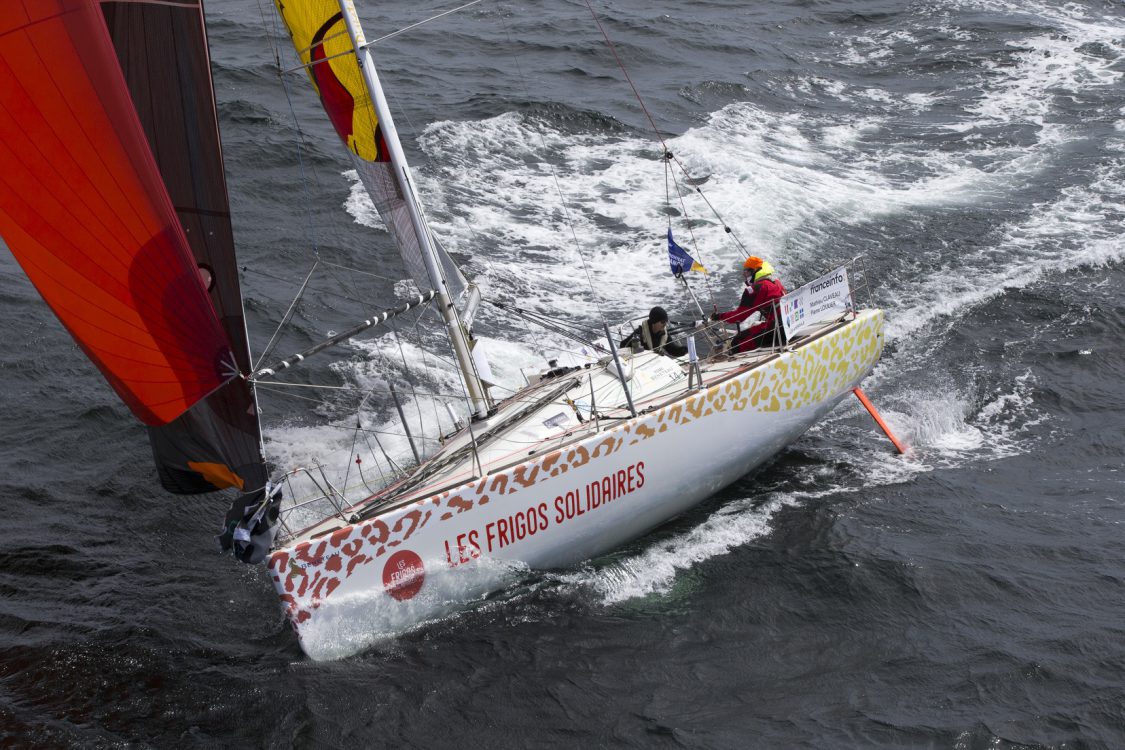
x=375, y=578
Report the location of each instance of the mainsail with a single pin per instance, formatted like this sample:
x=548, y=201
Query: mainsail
x=333, y=49
x=321, y=38
x=113, y=202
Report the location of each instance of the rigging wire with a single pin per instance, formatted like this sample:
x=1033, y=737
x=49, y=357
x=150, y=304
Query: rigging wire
x=659, y=136
x=628, y=78
x=390, y=433
x=323, y=42
x=321, y=290
x=347, y=283
x=362, y=272
x=410, y=381
x=277, y=386
x=403, y=30
x=403, y=435
x=355, y=437
x=390, y=461
x=272, y=34
x=285, y=318
x=554, y=173
x=426, y=364
x=668, y=173
x=549, y=324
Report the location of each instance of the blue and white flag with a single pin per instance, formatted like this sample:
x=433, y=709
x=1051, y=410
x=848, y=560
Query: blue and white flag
x=679, y=259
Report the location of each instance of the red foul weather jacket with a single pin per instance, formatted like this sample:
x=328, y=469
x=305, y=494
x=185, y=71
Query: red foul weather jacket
x=762, y=296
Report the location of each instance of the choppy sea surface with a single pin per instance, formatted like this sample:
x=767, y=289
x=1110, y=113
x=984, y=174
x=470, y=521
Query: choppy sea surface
x=970, y=595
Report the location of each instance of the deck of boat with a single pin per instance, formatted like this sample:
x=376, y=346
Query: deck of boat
x=552, y=413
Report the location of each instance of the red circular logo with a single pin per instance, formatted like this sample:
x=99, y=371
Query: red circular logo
x=403, y=575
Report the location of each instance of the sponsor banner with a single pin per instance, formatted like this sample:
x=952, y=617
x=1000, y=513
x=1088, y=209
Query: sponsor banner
x=823, y=299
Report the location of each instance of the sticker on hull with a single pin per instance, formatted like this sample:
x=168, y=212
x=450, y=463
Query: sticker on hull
x=403, y=575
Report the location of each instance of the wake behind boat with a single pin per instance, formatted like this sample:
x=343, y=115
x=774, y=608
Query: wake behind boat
x=128, y=238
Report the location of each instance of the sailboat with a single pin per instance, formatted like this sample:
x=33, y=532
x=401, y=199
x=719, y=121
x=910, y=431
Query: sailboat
x=113, y=200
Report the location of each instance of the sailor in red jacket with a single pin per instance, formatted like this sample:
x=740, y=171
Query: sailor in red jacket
x=763, y=290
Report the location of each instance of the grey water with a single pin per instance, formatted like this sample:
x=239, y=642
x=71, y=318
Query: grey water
x=968, y=595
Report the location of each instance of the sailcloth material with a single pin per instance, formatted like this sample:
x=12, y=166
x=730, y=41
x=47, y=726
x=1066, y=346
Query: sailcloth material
x=321, y=39
x=84, y=211
x=162, y=50
x=113, y=200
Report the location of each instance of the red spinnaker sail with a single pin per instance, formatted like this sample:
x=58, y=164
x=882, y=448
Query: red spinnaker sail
x=85, y=212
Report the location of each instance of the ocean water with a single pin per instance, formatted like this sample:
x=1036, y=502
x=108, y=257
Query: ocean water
x=969, y=595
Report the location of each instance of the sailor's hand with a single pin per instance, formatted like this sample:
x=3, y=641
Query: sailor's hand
x=714, y=316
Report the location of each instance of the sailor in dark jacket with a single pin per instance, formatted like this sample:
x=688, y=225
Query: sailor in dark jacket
x=653, y=336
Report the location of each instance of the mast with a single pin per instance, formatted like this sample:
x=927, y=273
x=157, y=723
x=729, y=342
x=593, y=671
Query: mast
x=456, y=331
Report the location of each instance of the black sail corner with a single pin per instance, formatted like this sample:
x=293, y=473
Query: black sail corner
x=163, y=52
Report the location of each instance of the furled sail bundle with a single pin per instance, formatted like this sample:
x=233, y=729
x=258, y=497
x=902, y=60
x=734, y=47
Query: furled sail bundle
x=319, y=34
x=114, y=202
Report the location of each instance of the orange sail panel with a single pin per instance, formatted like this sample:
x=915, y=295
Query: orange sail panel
x=85, y=212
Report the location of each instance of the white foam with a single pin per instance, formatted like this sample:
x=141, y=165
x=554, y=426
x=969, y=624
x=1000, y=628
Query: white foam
x=937, y=423
x=334, y=444
x=494, y=191
x=1084, y=227
x=920, y=102
x=654, y=570
x=1048, y=64
x=767, y=177
x=1010, y=415
x=360, y=205
x=871, y=50
x=347, y=624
